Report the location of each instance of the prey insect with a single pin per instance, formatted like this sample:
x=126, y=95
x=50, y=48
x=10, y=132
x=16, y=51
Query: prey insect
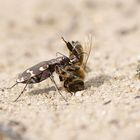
x=73, y=75
x=41, y=72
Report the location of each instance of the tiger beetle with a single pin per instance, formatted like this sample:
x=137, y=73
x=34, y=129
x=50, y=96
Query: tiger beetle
x=41, y=72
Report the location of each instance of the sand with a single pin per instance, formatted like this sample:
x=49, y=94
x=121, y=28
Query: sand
x=109, y=107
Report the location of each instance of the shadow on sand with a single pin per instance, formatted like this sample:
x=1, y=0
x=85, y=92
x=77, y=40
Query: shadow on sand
x=94, y=81
x=42, y=91
x=97, y=81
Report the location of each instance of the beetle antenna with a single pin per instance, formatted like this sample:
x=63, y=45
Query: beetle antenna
x=60, y=54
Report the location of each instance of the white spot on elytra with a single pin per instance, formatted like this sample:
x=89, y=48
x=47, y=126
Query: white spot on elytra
x=31, y=72
x=20, y=80
x=41, y=69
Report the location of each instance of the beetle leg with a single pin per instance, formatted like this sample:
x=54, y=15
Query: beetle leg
x=2, y=89
x=72, y=68
x=22, y=91
x=58, y=70
x=64, y=74
x=52, y=79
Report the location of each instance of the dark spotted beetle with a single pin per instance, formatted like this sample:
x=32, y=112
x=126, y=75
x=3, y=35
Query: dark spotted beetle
x=41, y=72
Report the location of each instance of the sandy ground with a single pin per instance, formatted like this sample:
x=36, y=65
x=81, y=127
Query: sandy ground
x=109, y=108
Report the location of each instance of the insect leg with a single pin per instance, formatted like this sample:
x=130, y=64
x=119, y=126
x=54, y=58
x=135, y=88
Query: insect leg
x=65, y=76
x=67, y=72
x=12, y=86
x=52, y=79
x=2, y=89
x=21, y=92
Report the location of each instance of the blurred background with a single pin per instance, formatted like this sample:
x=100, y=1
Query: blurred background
x=30, y=32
